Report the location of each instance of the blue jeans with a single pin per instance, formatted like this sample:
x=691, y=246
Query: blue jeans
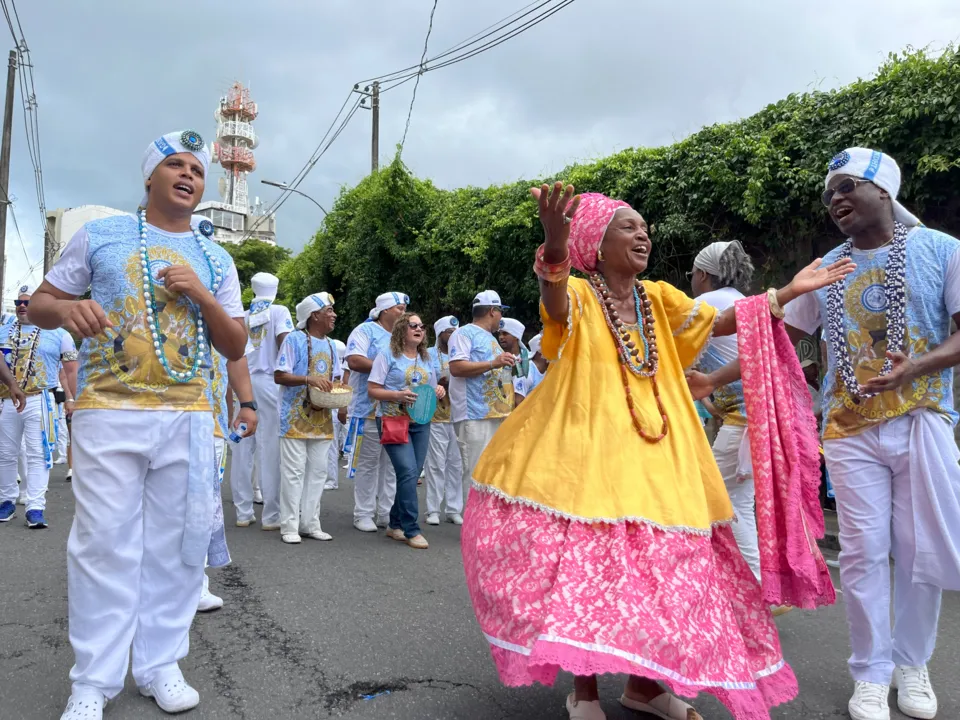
x=408, y=462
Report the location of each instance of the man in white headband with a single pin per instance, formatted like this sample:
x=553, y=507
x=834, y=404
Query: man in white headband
x=721, y=272
x=144, y=472
x=888, y=411
x=307, y=360
x=268, y=324
x=375, y=482
x=443, y=465
x=481, y=382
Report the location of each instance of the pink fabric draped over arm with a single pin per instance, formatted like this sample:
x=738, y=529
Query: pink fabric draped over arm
x=786, y=461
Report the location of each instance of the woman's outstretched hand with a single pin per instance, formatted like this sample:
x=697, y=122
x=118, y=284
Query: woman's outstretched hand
x=815, y=276
x=555, y=218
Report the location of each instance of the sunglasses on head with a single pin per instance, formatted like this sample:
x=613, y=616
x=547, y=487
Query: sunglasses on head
x=416, y=326
x=844, y=188
x=18, y=303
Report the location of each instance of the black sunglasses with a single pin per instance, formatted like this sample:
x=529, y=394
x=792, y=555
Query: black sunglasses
x=18, y=303
x=416, y=326
x=844, y=188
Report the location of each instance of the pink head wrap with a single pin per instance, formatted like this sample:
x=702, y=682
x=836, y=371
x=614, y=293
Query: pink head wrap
x=588, y=227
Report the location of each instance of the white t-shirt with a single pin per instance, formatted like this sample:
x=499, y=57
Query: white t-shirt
x=262, y=346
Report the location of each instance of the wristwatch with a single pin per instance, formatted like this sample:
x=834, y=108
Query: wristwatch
x=251, y=405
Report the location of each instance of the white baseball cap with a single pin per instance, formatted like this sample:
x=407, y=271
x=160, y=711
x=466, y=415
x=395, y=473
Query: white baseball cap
x=514, y=327
x=489, y=298
x=445, y=323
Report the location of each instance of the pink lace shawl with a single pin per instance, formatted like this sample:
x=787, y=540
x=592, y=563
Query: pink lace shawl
x=784, y=448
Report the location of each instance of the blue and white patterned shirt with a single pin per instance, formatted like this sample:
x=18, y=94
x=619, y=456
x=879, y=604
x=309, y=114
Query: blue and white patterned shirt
x=367, y=340
x=400, y=373
x=302, y=354
x=485, y=397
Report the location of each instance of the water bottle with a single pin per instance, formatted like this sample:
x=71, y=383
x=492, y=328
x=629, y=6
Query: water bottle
x=237, y=435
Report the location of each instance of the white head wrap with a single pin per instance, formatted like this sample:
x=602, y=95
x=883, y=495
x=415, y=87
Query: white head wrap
x=445, y=323
x=708, y=259
x=309, y=305
x=514, y=327
x=387, y=301
x=265, y=286
x=187, y=141
x=25, y=290
x=535, y=344
x=340, y=349
x=876, y=167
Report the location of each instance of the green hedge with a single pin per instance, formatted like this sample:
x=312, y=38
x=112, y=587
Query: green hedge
x=757, y=180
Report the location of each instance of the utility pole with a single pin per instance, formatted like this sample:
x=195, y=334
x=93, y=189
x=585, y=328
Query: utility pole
x=375, y=141
x=5, y=164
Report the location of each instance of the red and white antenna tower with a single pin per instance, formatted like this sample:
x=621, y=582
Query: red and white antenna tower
x=234, y=146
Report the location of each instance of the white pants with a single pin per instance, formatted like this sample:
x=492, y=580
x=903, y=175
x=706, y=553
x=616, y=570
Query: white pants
x=444, y=470
x=871, y=474
x=63, y=433
x=473, y=436
x=303, y=472
x=333, y=455
x=23, y=430
x=375, y=483
x=126, y=583
x=727, y=447
x=266, y=444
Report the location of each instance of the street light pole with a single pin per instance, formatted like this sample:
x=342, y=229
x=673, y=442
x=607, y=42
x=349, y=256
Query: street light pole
x=284, y=186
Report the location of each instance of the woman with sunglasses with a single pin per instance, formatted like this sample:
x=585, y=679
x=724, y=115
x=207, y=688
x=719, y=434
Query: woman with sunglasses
x=396, y=372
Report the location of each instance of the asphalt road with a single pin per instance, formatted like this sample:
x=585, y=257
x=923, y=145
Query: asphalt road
x=359, y=628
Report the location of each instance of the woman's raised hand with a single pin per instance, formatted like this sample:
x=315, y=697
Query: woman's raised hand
x=555, y=217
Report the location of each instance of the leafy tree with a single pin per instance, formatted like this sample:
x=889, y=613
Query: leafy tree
x=253, y=256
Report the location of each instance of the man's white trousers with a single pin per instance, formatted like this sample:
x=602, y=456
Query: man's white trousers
x=444, y=470
x=266, y=444
x=23, y=430
x=127, y=586
x=303, y=471
x=728, y=450
x=333, y=455
x=375, y=482
x=473, y=436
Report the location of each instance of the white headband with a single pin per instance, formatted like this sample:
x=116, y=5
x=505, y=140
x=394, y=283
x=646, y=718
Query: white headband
x=309, y=305
x=876, y=167
x=708, y=259
x=188, y=141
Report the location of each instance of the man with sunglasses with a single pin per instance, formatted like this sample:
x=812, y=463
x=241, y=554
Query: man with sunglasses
x=887, y=427
x=481, y=381
x=34, y=356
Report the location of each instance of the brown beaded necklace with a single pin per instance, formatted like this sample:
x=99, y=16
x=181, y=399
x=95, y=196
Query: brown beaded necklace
x=627, y=351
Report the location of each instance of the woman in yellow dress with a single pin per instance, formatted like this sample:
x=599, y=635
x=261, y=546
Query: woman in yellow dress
x=597, y=535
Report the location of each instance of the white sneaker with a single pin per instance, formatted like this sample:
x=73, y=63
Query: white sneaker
x=915, y=696
x=21, y=500
x=291, y=538
x=365, y=525
x=60, y=461
x=258, y=497
x=383, y=521
x=869, y=702
x=318, y=535
x=331, y=486
x=433, y=518
x=456, y=519
x=85, y=706
x=171, y=692
x=209, y=602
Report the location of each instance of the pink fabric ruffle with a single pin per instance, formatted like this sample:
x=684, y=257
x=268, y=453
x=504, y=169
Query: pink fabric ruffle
x=784, y=448
x=553, y=594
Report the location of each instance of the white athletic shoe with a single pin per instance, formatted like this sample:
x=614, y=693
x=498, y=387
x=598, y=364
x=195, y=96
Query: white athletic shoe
x=331, y=486
x=365, y=525
x=456, y=519
x=869, y=702
x=318, y=535
x=209, y=602
x=21, y=500
x=915, y=696
x=85, y=706
x=172, y=692
x=433, y=518
x=383, y=521
x=257, y=497
x=291, y=538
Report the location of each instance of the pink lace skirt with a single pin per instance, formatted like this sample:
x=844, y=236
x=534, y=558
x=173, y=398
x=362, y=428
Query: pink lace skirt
x=683, y=608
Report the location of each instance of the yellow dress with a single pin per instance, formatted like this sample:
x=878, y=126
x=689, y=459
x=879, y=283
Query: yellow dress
x=571, y=449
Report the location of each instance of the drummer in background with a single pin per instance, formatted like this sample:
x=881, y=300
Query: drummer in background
x=396, y=374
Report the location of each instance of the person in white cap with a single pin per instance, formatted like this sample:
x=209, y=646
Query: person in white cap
x=268, y=324
x=375, y=481
x=481, y=381
x=444, y=464
x=333, y=456
x=721, y=271
x=35, y=356
x=888, y=414
x=307, y=359
x=523, y=386
x=162, y=292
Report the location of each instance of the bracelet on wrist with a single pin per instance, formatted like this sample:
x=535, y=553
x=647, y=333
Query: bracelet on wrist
x=775, y=308
x=551, y=272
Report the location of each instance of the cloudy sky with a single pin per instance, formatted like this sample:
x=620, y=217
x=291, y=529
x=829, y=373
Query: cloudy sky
x=599, y=76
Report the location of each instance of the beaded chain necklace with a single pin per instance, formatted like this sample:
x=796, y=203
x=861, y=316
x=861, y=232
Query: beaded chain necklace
x=895, y=292
x=34, y=341
x=150, y=296
x=628, y=354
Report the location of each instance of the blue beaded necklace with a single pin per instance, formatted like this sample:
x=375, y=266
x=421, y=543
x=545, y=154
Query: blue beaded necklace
x=639, y=365
x=150, y=297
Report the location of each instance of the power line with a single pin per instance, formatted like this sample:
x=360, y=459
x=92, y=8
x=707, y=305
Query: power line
x=423, y=59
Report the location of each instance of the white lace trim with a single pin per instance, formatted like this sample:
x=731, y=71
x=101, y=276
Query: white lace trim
x=569, y=331
x=694, y=312
x=638, y=660
x=706, y=343
x=540, y=507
